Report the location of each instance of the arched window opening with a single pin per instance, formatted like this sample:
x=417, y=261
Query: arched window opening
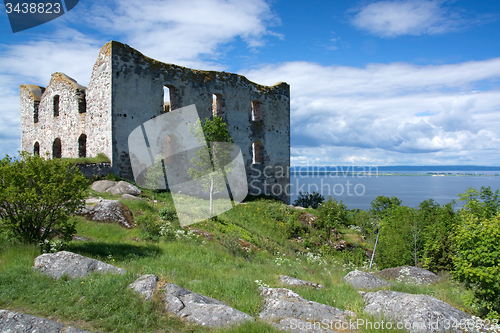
x=170, y=101
x=56, y=106
x=82, y=105
x=56, y=148
x=258, y=152
x=82, y=146
x=256, y=110
x=35, y=112
x=36, y=149
x=217, y=105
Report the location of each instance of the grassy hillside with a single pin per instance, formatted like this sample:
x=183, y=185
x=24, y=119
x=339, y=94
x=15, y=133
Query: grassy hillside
x=213, y=264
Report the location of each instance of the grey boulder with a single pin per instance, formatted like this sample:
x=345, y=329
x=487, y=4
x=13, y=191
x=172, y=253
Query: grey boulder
x=71, y=264
x=109, y=211
x=409, y=274
x=286, y=309
x=291, y=281
x=102, y=185
x=363, y=280
x=127, y=196
x=11, y=321
x=145, y=285
x=416, y=313
x=124, y=188
x=201, y=310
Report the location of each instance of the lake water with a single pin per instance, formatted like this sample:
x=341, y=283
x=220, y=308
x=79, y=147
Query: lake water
x=356, y=192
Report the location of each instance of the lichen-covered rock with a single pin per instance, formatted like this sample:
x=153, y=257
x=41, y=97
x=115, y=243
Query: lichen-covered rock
x=298, y=282
x=409, y=274
x=123, y=187
x=145, y=285
x=102, y=185
x=420, y=313
x=109, y=211
x=307, y=218
x=11, y=321
x=201, y=310
x=284, y=307
x=71, y=264
x=363, y=280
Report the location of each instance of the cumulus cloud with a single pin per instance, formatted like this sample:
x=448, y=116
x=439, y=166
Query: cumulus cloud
x=397, y=110
x=189, y=33
x=407, y=17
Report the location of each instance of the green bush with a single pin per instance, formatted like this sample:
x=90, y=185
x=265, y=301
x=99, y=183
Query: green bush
x=382, y=205
x=396, y=243
x=168, y=213
x=309, y=200
x=332, y=214
x=477, y=260
x=38, y=195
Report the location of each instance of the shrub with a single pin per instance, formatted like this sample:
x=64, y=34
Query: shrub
x=38, y=195
x=382, y=205
x=168, y=213
x=309, y=200
x=477, y=260
x=332, y=214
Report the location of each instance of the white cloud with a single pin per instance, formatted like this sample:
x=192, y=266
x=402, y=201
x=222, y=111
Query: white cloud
x=189, y=33
x=408, y=17
x=390, y=112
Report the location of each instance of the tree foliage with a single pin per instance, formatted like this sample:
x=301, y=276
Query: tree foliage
x=38, y=195
x=309, y=200
x=332, y=214
x=382, y=204
x=477, y=244
x=214, y=135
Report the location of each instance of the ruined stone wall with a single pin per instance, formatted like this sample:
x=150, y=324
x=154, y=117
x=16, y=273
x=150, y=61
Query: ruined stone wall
x=137, y=96
x=67, y=126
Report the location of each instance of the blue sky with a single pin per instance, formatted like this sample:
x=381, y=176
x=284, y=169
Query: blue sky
x=372, y=82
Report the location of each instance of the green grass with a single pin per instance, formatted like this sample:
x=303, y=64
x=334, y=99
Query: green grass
x=218, y=269
x=100, y=158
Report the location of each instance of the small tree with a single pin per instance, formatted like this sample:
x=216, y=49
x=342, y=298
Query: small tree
x=154, y=176
x=37, y=196
x=214, y=135
x=332, y=215
x=309, y=200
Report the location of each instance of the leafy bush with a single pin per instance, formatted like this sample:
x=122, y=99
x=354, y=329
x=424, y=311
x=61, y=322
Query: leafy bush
x=477, y=260
x=476, y=240
x=438, y=246
x=309, y=200
x=332, y=214
x=382, y=205
x=295, y=228
x=396, y=243
x=38, y=195
x=168, y=213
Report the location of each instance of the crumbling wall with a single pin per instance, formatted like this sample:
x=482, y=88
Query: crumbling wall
x=137, y=96
x=67, y=126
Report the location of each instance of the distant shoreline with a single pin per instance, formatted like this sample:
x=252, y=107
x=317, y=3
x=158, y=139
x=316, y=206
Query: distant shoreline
x=337, y=174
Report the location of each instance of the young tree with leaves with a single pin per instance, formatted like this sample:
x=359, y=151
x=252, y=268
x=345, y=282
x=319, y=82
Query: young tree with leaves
x=214, y=135
x=38, y=195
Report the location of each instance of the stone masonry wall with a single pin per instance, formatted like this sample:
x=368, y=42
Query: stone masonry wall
x=137, y=97
x=68, y=126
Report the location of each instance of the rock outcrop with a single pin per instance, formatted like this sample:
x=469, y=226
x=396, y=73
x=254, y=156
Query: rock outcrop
x=415, y=313
x=286, y=309
x=201, y=310
x=127, y=196
x=71, y=264
x=109, y=211
x=363, y=280
x=409, y=274
x=11, y=321
x=123, y=187
x=102, y=185
x=291, y=281
x=145, y=285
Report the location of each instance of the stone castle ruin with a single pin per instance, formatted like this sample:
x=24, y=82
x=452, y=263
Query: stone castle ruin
x=127, y=89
